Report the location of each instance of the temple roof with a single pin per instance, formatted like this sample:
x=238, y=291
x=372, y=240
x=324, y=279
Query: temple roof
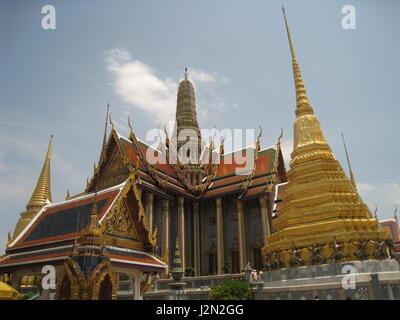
x=232, y=173
x=143, y=260
x=391, y=227
x=61, y=221
x=163, y=169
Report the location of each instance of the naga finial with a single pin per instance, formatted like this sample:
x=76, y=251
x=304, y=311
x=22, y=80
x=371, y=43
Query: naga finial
x=376, y=212
x=111, y=122
x=129, y=124
x=258, y=139
x=280, y=136
x=9, y=240
x=395, y=212
x=260, y=133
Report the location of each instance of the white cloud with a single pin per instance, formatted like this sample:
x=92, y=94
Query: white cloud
x=200, y=76
x=138, y=85
x=384, y=195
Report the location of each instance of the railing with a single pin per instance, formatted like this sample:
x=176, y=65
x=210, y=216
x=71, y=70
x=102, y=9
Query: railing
x=201, y=281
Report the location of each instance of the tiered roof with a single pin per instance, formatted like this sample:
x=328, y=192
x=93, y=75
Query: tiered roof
x=50, y=235
x=229, y=176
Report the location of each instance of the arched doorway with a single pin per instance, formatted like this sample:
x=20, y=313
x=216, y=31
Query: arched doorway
x=65, y=290
x=105, y=292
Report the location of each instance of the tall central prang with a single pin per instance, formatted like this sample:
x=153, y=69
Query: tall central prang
x=188, y=132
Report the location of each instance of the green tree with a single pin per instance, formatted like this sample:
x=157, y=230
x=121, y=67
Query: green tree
x=231, y=290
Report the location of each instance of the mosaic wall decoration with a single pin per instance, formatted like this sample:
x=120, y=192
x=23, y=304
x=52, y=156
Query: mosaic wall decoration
x=277, y=296
x=329, y=294
x=302, y=295
x=360, y=293
x=396, y=291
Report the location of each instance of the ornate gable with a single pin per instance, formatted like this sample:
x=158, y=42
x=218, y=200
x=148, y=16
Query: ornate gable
x=113, y=166
x=120, y=222
x=125, y=224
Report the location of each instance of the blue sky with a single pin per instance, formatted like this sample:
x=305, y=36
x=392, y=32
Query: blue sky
x=133, y=53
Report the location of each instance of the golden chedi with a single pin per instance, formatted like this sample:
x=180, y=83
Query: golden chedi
x=322, y=218
x=40, y=196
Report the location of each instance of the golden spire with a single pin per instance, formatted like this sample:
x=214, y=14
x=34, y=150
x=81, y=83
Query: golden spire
x=42, y=192
x=352, y=180
x=319, y=201
x=303, y=105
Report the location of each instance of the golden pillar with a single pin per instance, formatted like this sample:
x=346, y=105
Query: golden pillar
x=181, y=228
x=241, y=235
x=220, y=236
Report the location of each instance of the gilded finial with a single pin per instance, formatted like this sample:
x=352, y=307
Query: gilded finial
x=68, y=196
x=222, y=145
x=280, y=136
x=303, y=105
x=42, y=192
x=130, y=125
x=376, y=212
x=111, y=122
x=93, y=225
x=105, y=128
x=9, y=239
x=258, y=145
x=352, y=180
x=166, y=135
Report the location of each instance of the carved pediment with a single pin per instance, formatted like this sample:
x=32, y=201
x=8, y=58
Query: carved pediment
x=120, y=222
x=114, y=171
